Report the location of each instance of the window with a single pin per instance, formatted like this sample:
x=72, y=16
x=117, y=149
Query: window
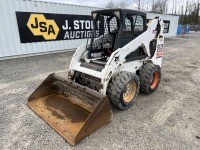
x=113, y=25
x=139, y=24
x=129, y=22
x=133, y=23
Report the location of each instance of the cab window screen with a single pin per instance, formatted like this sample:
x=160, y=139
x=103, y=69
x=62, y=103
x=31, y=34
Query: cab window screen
x=139, y=25
x=133, y=23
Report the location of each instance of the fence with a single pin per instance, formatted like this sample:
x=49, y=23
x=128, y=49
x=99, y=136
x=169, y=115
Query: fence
x=194, y=27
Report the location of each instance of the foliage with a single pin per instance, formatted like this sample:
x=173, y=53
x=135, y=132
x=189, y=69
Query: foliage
x=191, y=14
x=121, y=4
x=188, y=12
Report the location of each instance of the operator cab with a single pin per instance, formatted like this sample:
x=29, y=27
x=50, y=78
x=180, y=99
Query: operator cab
x=113, y=29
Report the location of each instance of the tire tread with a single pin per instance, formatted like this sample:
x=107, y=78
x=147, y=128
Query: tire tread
x=146, y=72
x=116, y=85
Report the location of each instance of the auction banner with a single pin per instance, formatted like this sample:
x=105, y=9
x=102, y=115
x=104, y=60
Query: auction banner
x=39, y=27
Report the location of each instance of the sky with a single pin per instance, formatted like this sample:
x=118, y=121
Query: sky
x=102, y=3
x=94, y=3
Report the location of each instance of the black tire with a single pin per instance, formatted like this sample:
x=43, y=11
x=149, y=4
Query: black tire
x=121, y=83
x=150, y=76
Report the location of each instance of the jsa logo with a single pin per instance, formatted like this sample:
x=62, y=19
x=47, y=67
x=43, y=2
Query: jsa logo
x=40, y=26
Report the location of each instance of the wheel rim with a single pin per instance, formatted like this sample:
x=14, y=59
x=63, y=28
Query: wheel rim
x=129, y=91
x=154, y=80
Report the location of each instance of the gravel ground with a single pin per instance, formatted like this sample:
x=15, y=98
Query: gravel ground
x=167, y=119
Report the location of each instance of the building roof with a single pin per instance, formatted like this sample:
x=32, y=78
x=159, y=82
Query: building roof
x=127, y=11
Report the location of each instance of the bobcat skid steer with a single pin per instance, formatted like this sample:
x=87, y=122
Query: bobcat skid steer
x=122, y=57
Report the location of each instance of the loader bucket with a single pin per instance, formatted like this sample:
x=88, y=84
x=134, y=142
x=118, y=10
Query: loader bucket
x=73, y=110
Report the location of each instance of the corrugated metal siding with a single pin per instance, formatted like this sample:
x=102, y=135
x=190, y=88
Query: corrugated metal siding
x=10, y=44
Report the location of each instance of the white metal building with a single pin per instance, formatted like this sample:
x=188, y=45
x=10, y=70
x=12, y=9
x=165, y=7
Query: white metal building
x=19, y=35
x=171, y=23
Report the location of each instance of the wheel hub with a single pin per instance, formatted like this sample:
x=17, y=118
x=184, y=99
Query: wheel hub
x=129, y=91
x=154, y=80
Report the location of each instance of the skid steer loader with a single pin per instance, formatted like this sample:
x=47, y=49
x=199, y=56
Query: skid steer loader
x=122, y=57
